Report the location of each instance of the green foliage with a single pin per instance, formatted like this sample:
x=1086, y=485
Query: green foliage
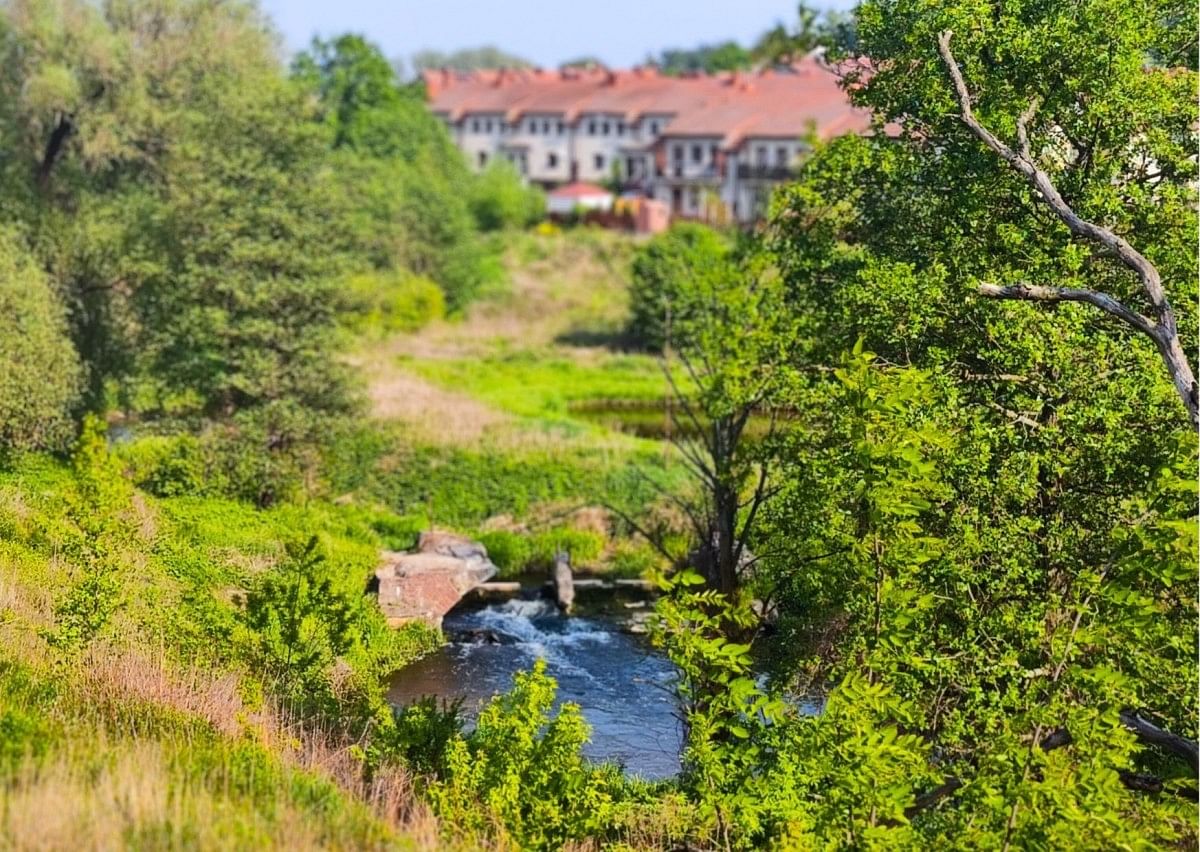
x=423, y=732
x=707, y=58
x=511, y=552
x=403, y=188
x=301, y=625
x=95, y=593
x=467, y=59
x=500, y=201
x=583, y=547
x=686, y=256
x=519, y=773
x=40, y=375
x=388, y=303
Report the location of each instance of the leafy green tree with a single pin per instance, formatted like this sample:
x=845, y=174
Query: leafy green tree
x=499, y=200
x=1046, y=629
x=813, y=29
x=684, y=256
x=520, y=775
x=403, y=185
x=300, y=624
x=707, y=58
x=487, y=57
x=40, y=374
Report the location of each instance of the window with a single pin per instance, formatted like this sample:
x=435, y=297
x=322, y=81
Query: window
x=654, y=127
x=482, y=159
x=781, y=156
x=694, y=198
x=561, y=128
x=599, y=161
x=532, y=126
x=546, y=127
x=475, y=125
x=760, y=155
x=591, y=128
x=552, y=160
x=697, y=154
x=620, y=128
x=677, y=151
x=604, y=128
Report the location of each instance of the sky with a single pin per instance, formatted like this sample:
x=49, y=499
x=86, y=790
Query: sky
x=546, y=32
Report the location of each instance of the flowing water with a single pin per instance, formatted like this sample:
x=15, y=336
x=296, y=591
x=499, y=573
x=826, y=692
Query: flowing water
x=623, y=687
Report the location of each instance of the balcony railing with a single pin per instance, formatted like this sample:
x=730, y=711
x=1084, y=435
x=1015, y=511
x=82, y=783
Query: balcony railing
x=746, y=171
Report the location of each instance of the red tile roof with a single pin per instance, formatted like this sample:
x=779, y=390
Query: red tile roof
x=731, y=107
x=578, y=190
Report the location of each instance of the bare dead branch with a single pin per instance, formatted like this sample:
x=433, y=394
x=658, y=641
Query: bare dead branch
x=1103, y=301
x=1163, y=331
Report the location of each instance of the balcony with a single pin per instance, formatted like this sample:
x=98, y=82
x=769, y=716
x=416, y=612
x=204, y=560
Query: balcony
x=749, y=172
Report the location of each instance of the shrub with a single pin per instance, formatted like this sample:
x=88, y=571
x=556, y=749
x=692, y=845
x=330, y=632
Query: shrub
x=662, y=270
x=520, y=772
x=166, y=465
x=634, y=559
x=299, y=624
x=510, y=551
x=499, y=200
x=582, y=546
x=385, y=302
x=40, y=373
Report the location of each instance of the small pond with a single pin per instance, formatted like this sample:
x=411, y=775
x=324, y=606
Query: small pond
x=624, y=687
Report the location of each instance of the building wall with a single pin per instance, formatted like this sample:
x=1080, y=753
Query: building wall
x=692, y=172
x=479, y=135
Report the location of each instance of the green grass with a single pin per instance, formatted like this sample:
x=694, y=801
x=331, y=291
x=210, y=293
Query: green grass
x=153, y=732
x=545, y=384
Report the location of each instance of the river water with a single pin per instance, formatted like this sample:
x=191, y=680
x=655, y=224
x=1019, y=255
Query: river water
x=623, y=687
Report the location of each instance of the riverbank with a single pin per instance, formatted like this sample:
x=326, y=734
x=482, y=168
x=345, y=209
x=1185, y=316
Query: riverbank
x=492, y=415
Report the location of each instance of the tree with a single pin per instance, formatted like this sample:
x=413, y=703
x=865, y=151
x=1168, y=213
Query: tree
x=726, y=337
x=1044, y=619
x=40, y=374
x=1162, y=328
x=403, y=188
x=707, y=58
x=813, y=29
x=485, y=58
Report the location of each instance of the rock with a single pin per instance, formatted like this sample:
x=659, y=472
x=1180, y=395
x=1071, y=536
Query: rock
x=564, y=583
x=427, y=584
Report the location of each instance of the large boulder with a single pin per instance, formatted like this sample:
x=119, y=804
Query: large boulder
x=427, y=584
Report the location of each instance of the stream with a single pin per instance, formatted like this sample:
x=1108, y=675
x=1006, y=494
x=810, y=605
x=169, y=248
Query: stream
x=622, y=685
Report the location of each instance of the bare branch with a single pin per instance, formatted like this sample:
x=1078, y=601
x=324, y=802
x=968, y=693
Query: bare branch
x=1163, y=331
x=1103, y=301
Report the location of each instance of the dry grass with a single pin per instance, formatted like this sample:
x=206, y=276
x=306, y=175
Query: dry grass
x=431, y=413
x=571, y=282
x=100, y=798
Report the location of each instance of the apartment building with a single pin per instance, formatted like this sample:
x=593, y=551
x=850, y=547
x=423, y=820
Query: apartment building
x=704, y=145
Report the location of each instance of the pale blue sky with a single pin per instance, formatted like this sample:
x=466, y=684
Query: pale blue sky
x=621, y=32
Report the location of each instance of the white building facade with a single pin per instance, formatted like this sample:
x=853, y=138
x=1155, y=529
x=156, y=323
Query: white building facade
x=707, y=146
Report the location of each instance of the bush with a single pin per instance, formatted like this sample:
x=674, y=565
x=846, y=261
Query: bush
x=499, y=200
x=510, y=551
x=582, y=546
x=390, y=302
x=635, y=560
x=520, y=772
x=166, y=465
x=40, y=374
x=662, y=270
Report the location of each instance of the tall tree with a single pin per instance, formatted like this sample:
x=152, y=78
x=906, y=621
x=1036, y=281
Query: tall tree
x=1049, y=619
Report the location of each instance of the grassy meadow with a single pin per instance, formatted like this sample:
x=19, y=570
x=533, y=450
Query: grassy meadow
x=158, y=737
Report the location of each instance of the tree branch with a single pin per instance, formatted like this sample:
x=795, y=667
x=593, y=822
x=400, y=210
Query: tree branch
x=1163, y=331
x=1103, y=301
